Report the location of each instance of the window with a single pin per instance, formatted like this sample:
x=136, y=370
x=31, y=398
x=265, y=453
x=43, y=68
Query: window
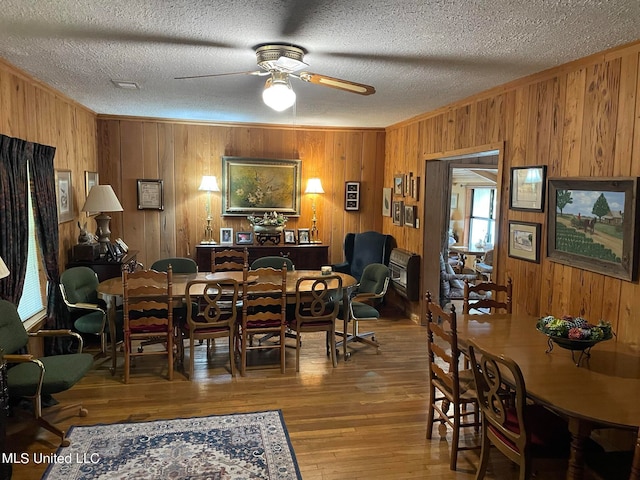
x=482, y=221
x=31, y=300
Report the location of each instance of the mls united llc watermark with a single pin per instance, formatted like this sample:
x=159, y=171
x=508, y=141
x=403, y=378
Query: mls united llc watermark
x=39, y=458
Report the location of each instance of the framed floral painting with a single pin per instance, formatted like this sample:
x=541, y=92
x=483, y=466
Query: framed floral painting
x=259, y=185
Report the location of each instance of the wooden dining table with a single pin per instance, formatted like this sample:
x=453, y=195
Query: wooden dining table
x=604, y=390
x=111, y=290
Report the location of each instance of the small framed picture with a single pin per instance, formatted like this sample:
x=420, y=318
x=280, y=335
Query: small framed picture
x=123, y=246
x=352, y=196
x=524, y=241
x=303, y=235
x=386, y=202
x=226, y=236
x=408, y=178
x=289, y=236
x=528, y=188
x=150, y=195
x=64, y=196
x=398, y=185
x=90, y=180
x=398, y=213
x=244, y=238
x=410, y=215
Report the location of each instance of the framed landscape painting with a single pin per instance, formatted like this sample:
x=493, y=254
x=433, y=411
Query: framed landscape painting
x=260, y=185
x=592, y=224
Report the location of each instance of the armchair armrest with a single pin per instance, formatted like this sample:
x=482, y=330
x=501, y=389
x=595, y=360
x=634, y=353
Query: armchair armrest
x=59, y=333
x=86, y=306
x=457, y=276
x=343, y=267
x=13, y=358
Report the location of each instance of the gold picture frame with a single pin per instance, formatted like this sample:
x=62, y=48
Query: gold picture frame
x=64, y=196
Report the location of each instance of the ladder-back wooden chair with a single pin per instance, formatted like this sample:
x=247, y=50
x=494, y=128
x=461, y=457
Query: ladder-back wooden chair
x=317, y=306
x=148, y=315
x=488, y=296
x=229, y=259
x=448, y=386
x=264, y=306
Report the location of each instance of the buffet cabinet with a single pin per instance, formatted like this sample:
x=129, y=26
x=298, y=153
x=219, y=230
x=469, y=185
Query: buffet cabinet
x=304, y=257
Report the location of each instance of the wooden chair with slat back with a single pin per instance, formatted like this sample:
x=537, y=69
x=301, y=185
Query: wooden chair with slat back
x=264, y=305
x=148, y=314
x=485, y=296
x=448, y=386
x=317, y=306
x=517, y=428
x=207, y=319
x=229, y=260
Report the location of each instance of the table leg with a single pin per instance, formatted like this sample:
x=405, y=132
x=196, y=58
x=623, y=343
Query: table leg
x=346, y=307
x=110, y=300
x=635, y=466
x=580, y=431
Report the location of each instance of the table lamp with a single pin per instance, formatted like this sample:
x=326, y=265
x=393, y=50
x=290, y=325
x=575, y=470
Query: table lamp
x=314, y=186
x=209, y=184
x=4, y=271
x=102, y=199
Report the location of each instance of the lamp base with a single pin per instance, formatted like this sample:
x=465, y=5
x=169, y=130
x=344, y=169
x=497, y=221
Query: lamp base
x=208, y=234
x=103, y=232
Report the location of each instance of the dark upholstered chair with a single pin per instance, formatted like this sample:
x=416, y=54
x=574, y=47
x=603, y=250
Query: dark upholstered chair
x=89, y=313
x=178, y=265
x=273, y=261
x=34, y=377
x=362, y=249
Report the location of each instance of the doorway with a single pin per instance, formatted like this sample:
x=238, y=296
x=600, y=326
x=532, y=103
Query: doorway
x=439, y=171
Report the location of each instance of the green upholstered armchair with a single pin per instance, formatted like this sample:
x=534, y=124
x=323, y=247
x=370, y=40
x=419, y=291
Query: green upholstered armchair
x=178, y=265
x=369, y=293
x=273, y=261
x=32, y=377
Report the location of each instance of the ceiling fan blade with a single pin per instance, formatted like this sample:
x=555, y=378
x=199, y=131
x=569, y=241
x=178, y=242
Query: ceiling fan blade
x=346, y=85
x=254, y=72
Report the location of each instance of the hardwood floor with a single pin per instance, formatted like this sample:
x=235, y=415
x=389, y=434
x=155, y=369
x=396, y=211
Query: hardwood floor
x=365, y=419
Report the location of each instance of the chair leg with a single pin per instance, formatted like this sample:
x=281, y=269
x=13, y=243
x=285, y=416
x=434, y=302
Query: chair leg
x=127, y=357
x=170, y=354
x=484, y=456
x=455, y=440
x=192, y=356
x=298, y=343
x=37, y=408
x=431, y=412
x=232, y=356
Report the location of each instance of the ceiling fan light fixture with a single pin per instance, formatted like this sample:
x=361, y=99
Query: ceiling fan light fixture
x=278, y=93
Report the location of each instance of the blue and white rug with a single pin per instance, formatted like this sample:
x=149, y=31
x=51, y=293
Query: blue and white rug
x=223, y=447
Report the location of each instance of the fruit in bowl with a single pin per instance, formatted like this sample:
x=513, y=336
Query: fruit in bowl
x=574, y=333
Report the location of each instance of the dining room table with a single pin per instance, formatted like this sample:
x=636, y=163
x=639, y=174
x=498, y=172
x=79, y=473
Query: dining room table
x=111, y=290
x=601, y=389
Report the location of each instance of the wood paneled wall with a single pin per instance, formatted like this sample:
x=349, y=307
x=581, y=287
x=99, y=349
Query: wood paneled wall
x=580, y=119
x=33, y=111
x=180, y=153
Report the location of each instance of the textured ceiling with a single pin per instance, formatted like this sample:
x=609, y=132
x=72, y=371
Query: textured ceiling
x=419, y=55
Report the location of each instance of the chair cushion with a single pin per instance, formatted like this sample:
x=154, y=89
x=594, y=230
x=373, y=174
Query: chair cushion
x=61, y=373
x=363, y=310
x=455, y=282
x=13, y=336
x=92, y=322
x=549, y=433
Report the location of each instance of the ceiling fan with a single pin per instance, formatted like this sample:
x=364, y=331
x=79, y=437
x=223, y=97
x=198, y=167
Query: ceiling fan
x=280, y=62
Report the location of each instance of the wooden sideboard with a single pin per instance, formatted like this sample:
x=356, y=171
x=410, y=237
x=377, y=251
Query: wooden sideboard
x=304, y=257
x=108, y=268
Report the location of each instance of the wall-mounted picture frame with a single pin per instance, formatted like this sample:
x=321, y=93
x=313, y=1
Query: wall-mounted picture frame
x=415, y=188
x=527, y=187
x=64, y=196
x=226, y=236
x=150, y=194
x=289, y=236
x=398, y=213
x=407, y=184
x=454, y=201
x=303, y=236
x=410, y=215
x=398, y=185
x=253, y=186
x=90, y=181
x=524, y=241
x=352, y=196
x=244, y=238
x=591, y=224
x=386, y=201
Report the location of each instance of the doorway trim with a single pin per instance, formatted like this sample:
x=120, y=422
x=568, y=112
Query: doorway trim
x=439, y=203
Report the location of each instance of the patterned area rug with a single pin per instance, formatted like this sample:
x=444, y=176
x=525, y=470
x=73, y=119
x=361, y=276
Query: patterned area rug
x=224, y=447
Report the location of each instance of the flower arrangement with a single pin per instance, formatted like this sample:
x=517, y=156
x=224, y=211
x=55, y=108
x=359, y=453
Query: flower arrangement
x=273, y=219
x=574, y=328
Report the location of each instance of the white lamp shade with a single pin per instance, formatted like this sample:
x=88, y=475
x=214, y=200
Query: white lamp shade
x=278, y=93
x=314, y=185
x=4, y=271
x=209, y=184
x=102, y=198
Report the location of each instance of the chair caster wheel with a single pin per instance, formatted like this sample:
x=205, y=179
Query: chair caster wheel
x=65, y=442
x=83, y=412
x=140, y=349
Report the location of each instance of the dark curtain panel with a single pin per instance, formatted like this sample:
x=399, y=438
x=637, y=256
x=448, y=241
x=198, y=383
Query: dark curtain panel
x=14, y=223
x=43, y=195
